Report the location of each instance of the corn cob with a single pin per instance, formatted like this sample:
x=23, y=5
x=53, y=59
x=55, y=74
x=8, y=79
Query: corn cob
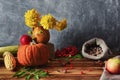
x=9, y=61
x=13, y=49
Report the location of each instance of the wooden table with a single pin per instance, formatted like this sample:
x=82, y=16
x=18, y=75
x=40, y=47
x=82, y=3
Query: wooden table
x=83, y=69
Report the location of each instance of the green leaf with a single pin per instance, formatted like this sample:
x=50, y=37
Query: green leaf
x=29, y=72
x=18, y=74
x=21, y=75
x=36, y=77
x=41, y=31
x=67, y=58
x=30, y=69
x=37, y=72
x=28, y=77
x=78, y=56
x=30, y=32
x=43, y=74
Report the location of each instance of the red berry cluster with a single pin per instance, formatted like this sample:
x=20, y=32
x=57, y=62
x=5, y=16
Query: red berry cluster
x=66, y=52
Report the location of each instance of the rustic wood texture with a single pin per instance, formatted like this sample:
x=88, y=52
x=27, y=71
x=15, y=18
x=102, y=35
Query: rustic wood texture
x=83, y=69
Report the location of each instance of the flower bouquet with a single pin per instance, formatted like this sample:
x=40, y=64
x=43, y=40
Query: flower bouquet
x=40, y=25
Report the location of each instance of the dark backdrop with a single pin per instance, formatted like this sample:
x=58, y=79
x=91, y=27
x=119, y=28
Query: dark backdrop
x=86, y=19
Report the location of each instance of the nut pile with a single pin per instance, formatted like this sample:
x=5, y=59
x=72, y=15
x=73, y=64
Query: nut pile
x=94, y=50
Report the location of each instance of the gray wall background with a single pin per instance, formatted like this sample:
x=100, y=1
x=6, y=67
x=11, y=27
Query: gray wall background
x=86, y=19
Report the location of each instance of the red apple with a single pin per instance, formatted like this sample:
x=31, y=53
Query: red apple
x=113, y=65
x=25, y=39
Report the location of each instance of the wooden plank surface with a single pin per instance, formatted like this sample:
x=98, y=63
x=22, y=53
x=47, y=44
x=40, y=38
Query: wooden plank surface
x=83, y=69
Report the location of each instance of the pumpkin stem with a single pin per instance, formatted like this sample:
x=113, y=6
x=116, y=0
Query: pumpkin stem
x=32, y=43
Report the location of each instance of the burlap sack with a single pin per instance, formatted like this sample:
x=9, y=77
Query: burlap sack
x=105, y=50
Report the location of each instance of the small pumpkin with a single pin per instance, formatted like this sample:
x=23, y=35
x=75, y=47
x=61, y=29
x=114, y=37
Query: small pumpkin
x=33, y=55
x=40, y=35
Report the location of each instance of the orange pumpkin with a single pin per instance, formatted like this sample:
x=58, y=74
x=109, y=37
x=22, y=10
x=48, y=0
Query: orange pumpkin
x=33, y=55
x=40, y=35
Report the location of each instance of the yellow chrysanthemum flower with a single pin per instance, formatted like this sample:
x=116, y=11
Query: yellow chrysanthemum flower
x=32, y=18
x=48, y=21
x=61, y=25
